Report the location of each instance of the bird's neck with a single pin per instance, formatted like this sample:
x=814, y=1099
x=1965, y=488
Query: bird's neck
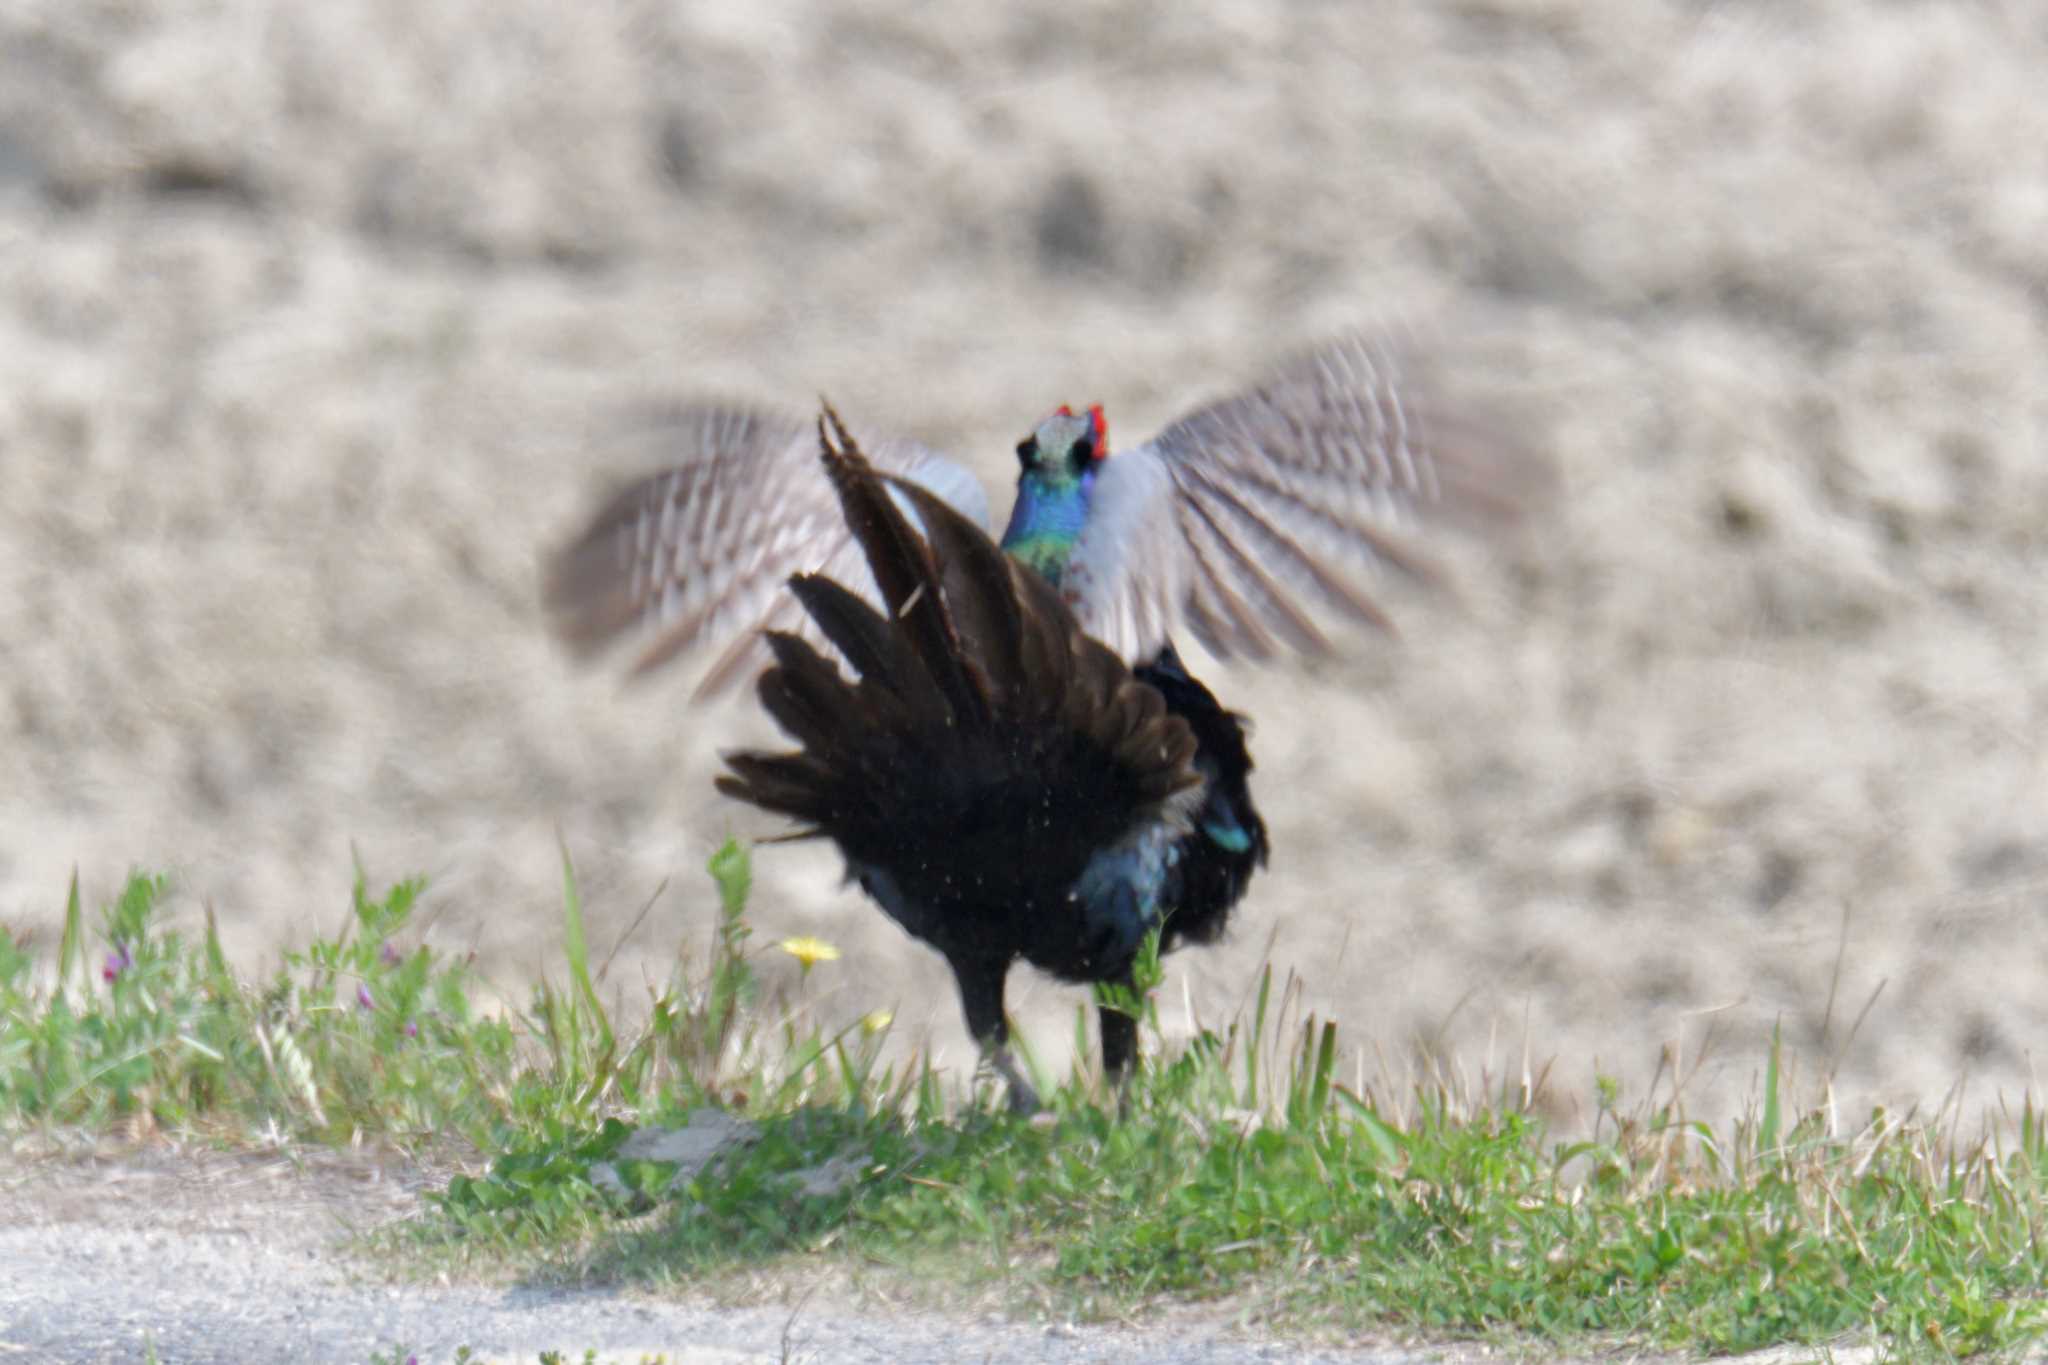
x=1046, y=521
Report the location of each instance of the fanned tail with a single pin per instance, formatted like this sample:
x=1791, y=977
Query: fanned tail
x=976, y=695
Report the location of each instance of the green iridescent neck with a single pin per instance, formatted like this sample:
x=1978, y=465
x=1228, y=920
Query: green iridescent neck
x=1046, y=521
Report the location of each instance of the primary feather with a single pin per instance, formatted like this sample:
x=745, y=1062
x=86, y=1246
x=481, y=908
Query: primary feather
x=698, y=553
x=1253, y=521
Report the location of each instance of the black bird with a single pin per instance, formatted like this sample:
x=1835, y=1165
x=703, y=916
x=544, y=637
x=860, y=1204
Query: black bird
x=1002, y=784
x=1224, y=525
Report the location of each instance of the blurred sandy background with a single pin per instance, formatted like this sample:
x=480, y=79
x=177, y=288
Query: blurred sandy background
x=313, y=316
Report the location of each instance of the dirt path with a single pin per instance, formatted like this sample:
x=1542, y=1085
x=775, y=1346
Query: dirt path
x=320, y=321
x=106, y=1255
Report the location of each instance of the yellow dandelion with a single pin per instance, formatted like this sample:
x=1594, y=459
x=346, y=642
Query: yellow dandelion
x=874, y=1021
x=809, y=951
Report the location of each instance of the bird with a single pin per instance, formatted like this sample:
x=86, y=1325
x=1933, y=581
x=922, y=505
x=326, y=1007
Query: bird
x=1247, y=525
x=999, y=782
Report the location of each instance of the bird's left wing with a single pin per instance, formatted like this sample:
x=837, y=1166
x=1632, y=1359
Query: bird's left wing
x=1248, y=520
x=696, y=556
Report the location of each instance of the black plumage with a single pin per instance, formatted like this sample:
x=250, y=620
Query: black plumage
x=1021, y=764
x=1001, y=783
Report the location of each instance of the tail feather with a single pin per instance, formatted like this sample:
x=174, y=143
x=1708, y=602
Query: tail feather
x=808, y=698
x=797, y=785
x=879, y=655
x=902, y=565
x=976, y=694
x=983, y=596
x=1015, y=624
x=855, y=628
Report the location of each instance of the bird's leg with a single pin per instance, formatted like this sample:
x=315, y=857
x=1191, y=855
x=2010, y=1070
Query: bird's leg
x=1119, y=1049
x=981, y=997
x=1023, y=1096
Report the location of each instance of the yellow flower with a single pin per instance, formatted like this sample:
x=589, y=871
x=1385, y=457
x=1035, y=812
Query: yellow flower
x=809, y=951
x=874, y=1021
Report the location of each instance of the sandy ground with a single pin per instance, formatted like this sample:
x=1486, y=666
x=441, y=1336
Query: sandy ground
x=314, y=318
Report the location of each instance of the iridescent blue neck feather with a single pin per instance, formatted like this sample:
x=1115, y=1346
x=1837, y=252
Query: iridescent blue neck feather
x=1046, y=521
x=1059, y=458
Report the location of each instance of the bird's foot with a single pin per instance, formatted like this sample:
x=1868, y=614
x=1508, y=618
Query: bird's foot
x=1023, y=1096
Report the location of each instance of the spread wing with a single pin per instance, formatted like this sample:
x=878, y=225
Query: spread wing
x=1246, y=520
x=698, y=555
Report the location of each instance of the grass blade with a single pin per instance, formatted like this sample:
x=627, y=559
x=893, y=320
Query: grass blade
x=1773, y=1116
x=575, y=946
x=72, y=944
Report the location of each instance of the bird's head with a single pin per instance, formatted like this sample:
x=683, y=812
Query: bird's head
x=1059, y=460
x=1064, y=449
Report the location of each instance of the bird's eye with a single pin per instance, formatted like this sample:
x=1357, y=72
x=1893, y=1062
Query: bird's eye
x=1026, y=450
x=1084, y=451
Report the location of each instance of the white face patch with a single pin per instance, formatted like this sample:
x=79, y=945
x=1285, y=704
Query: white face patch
x=1056, y=437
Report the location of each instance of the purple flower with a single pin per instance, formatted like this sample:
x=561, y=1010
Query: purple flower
x=363, y=996
x=117, y=962
x=389, y=954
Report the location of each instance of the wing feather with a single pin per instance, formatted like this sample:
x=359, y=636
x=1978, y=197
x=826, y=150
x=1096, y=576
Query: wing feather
x=697, y=555
x=1129, y=567
x=1243, y=518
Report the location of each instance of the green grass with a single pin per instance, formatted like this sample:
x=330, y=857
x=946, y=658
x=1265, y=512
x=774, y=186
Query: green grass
x=1241, y=1169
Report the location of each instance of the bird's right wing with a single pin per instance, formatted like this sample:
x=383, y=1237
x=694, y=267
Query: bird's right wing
x=697, y=555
